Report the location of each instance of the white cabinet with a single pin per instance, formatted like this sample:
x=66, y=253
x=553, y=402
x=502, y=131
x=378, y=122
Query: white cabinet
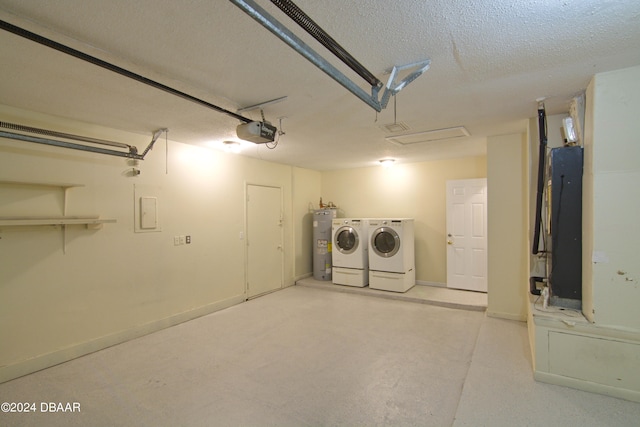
x=570, y=351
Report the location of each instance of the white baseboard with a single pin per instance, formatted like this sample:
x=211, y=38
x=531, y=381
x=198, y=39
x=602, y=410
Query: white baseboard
x=434, y=284
x=302, y=276
x=37, y=363
x=589, y=386
x=507, y=316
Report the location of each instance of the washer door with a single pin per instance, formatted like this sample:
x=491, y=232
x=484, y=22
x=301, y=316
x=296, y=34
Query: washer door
x=347, y=240
x=385, y=242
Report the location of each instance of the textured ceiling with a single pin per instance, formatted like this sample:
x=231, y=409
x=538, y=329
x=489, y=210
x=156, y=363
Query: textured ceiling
x=490, y=61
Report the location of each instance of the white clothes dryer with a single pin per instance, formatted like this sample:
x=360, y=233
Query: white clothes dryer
x=392, y=254
x=349, y=252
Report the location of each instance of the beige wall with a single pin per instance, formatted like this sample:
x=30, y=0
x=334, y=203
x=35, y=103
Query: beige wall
x=508, y=207
x=114, y=284
x=611, y=203
x=306, y=195
x=414, y=190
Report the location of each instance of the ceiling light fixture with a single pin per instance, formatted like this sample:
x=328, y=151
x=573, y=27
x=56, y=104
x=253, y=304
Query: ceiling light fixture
x=387, y=162
x=232, y=146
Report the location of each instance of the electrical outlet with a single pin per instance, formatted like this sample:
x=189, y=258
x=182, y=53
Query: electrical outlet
x=188, y=240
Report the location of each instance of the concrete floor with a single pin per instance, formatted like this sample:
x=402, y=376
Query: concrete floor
x=306, y=356
x=433, y=295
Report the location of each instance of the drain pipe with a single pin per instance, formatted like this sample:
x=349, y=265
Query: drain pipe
x=542, y=154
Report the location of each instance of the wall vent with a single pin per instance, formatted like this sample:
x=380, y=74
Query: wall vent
x=428, y=136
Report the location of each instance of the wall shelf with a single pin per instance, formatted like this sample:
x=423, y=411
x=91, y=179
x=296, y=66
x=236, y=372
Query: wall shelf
x=65, y=186
x=89, y=221
x=93, y=222
x=41, y=184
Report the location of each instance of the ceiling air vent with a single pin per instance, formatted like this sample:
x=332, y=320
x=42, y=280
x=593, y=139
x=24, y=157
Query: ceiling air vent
x=395, y=127
x=428, y=136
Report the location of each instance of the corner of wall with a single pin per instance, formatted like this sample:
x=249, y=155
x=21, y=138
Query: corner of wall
x=507, y=179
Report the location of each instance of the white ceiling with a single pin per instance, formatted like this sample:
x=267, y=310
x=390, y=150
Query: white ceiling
x=490, y=61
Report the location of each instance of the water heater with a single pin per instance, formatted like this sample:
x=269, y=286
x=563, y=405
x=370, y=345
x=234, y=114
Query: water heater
x=322, y=219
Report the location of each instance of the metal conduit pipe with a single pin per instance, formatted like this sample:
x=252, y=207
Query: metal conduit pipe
x=111, y=67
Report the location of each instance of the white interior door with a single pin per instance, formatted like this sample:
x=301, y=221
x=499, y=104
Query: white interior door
x=467, y=234
x=264, y=239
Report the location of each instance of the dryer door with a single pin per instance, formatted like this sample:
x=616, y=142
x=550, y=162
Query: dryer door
x=347, y=240
x=385, y=242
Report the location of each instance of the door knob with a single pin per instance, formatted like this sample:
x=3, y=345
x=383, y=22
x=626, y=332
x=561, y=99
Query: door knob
x=449, y=242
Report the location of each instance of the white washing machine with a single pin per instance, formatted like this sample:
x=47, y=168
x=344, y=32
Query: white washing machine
x=392, y=254
x=349, y=252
